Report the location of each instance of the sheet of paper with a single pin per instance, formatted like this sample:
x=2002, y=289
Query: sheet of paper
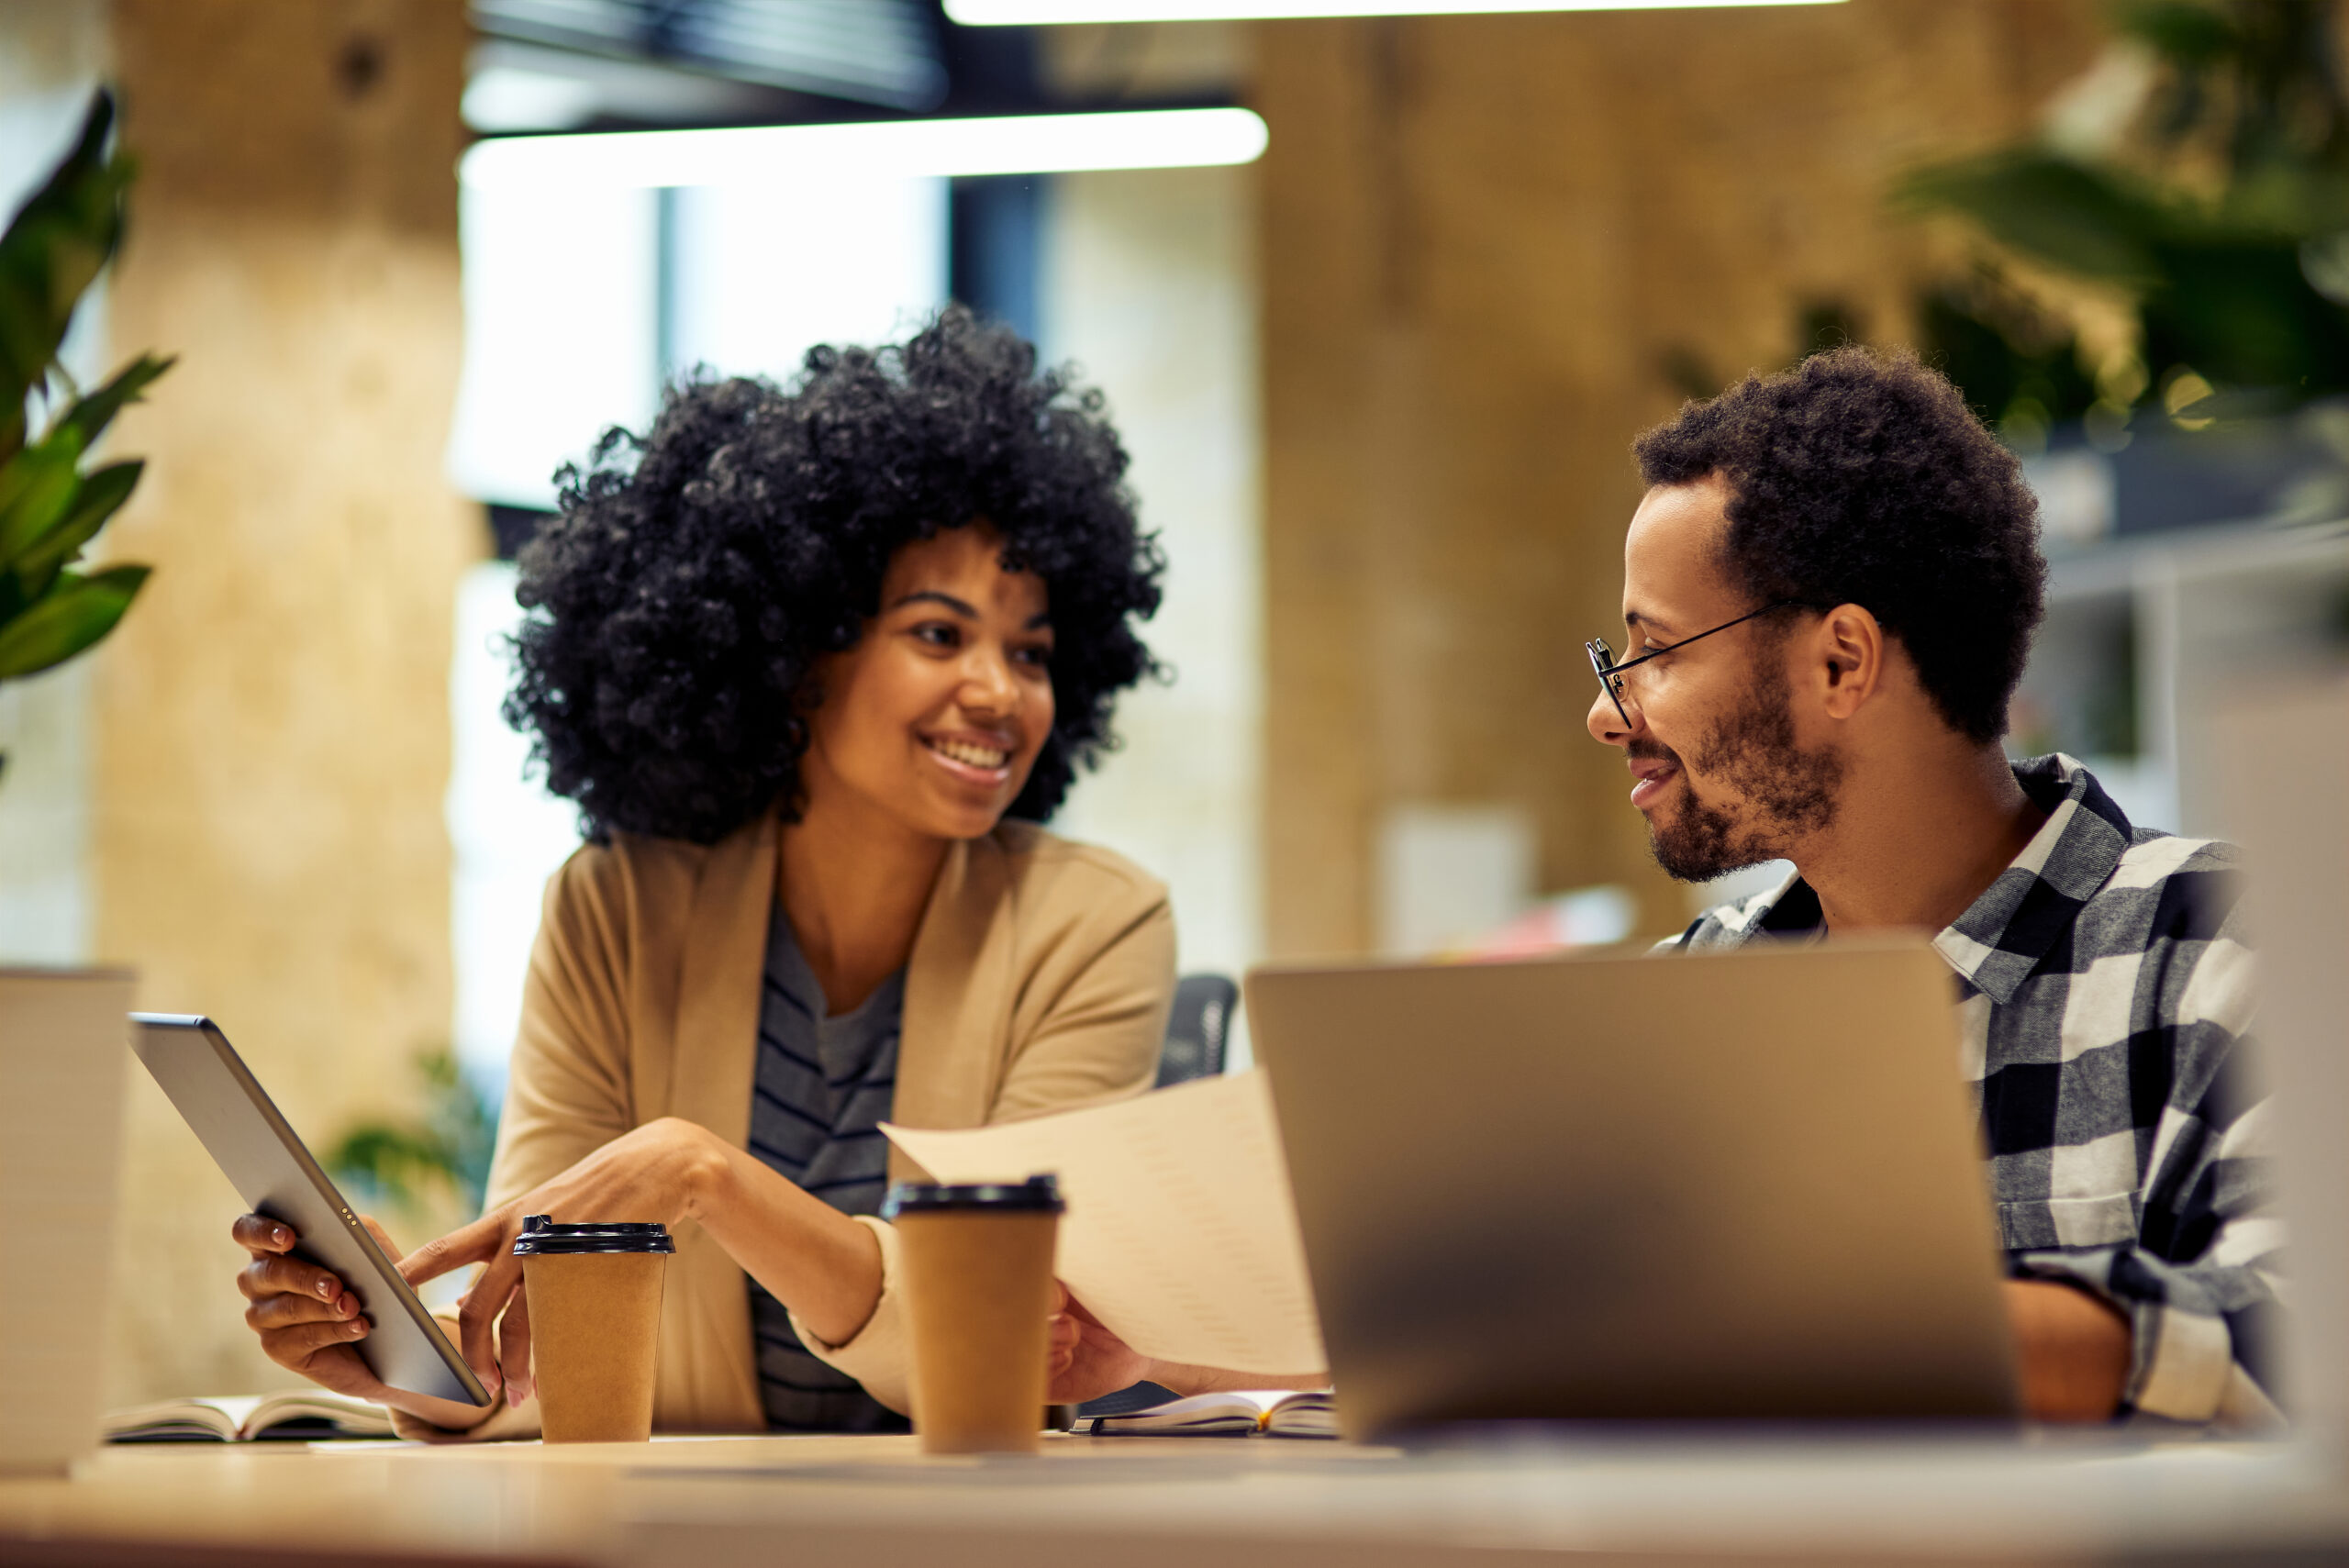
x=1181, y=1233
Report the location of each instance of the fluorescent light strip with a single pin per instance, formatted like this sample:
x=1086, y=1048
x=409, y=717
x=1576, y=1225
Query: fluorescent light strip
x=1037, y=13
x=1024, y=144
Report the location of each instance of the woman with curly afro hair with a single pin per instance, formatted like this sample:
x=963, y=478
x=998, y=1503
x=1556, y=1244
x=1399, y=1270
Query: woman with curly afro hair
x=814, y=662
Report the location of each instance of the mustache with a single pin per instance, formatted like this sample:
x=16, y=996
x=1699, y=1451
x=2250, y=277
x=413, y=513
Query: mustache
x=1652, y=752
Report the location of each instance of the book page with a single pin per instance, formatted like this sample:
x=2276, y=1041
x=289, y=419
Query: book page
x=350, y=1417
x=1181, y=1234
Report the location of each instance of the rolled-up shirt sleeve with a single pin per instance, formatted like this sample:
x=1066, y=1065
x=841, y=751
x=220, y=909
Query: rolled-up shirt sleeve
x=2201, y=1286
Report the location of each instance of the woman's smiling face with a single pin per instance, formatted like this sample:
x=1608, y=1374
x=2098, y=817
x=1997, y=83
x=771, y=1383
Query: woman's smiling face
x=935, y=716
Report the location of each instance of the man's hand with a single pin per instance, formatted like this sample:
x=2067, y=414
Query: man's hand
x=1089, y=1361
x=1086, y=1359
x=2073, y=1349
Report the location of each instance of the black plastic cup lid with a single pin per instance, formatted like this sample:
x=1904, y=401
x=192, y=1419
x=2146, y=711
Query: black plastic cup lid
x=1037, y=1193
x=542, y=1237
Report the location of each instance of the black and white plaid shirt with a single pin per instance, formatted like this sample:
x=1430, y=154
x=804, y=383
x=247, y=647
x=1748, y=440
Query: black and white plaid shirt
x=2104, y=997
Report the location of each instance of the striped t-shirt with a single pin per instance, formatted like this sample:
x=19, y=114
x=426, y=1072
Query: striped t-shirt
x=824, y=1086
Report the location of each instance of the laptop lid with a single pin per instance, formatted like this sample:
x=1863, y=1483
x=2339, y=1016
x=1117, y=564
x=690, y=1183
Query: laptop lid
x=1742, y=1185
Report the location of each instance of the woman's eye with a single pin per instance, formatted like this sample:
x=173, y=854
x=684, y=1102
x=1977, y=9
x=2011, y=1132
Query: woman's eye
x=1040, y=656
x=937, y=634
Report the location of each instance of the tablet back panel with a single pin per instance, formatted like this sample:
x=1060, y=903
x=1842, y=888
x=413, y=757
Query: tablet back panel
x=1740, y=1185
x=239, y=1125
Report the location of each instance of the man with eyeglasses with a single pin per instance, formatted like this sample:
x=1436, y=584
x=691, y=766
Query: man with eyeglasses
x=1830, y=590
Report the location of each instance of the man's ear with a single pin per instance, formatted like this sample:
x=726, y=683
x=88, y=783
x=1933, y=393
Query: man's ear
x=1846, y=653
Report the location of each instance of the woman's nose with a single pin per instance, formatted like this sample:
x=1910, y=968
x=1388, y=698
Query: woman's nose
x=987, y=684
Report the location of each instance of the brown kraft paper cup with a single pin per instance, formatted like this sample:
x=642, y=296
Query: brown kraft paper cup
x=978, y=1280
x=595, y=1333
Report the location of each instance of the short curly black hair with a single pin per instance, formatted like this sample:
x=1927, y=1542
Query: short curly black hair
x=1862, y=477
x=695, y=574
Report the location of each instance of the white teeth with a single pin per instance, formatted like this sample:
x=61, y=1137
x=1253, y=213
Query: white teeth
x=975, y=756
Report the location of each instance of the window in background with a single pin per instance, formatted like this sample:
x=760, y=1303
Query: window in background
x=562, y=333
x=506, y=834
x=996, y=230
x=756, y=275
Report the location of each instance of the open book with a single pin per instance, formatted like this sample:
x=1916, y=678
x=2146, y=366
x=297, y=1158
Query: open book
x=297, y=1416
x=1236, y=1414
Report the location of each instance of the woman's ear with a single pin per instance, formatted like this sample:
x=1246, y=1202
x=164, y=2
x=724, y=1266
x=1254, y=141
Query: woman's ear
x=1848, y=653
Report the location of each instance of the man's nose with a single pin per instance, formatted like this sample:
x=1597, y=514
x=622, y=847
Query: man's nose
x=1606, y=723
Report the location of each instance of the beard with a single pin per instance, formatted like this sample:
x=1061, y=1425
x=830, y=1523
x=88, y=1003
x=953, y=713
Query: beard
x=1766, y=790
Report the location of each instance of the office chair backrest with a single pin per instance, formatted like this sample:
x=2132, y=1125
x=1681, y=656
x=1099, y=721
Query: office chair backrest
x=1196, y=1028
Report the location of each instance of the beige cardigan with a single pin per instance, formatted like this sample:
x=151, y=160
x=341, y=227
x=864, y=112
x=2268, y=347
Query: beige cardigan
x=1039, y=980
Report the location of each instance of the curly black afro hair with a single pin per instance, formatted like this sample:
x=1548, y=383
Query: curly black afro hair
x=1862, y=478
x=696, y=574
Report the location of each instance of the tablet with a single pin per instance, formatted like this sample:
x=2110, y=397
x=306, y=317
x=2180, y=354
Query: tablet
x=228, y=1109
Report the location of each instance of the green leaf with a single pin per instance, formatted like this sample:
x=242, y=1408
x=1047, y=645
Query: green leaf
x=36, y=486
x=53, y=248
x=2179, y=30
x=74, y=613
x=102, y=494
x=2046, y=205
x=91, y=415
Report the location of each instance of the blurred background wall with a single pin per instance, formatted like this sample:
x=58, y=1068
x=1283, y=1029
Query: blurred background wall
x=1378, y=389
x=1489, y=241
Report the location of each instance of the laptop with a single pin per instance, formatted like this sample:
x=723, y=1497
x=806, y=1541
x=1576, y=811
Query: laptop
x=1611, y=1186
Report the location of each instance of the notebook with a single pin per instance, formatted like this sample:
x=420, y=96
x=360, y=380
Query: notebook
x=301, y=1415
x=1235, y=1413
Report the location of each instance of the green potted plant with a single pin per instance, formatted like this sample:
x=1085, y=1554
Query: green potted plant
x=61, y=1031
x=2199, y=176
x=51, y=506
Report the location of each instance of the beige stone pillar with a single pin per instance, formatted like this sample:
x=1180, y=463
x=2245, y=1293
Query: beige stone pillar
x=272, y=730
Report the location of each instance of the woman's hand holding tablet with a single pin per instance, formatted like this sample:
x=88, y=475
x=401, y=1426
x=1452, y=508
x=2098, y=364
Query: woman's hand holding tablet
x=310, y=1323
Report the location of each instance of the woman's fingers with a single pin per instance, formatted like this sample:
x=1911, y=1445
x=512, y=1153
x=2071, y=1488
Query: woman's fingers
x=296, y=1346
x=267, y=1276
x=284, y=1309
x=488, y=1239
x=476, y=1318
x=514, y=1349
x=484, y=1239
x=259, y=1234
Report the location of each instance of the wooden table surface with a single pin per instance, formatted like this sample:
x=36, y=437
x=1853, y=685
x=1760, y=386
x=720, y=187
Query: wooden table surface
x=1139, y=1503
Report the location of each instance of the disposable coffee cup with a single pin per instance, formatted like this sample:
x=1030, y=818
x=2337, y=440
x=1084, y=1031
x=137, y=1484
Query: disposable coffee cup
x=594, y=1298
x=978, y=1282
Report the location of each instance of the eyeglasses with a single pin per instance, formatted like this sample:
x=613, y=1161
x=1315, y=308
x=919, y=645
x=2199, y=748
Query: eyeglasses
x=1611, y=674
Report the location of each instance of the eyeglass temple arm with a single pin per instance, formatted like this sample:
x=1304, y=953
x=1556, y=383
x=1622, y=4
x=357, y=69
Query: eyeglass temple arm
x=1699, y=636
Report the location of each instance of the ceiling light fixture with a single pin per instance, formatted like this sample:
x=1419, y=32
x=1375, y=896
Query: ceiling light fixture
x=1037, y=13
x=1011, y=144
